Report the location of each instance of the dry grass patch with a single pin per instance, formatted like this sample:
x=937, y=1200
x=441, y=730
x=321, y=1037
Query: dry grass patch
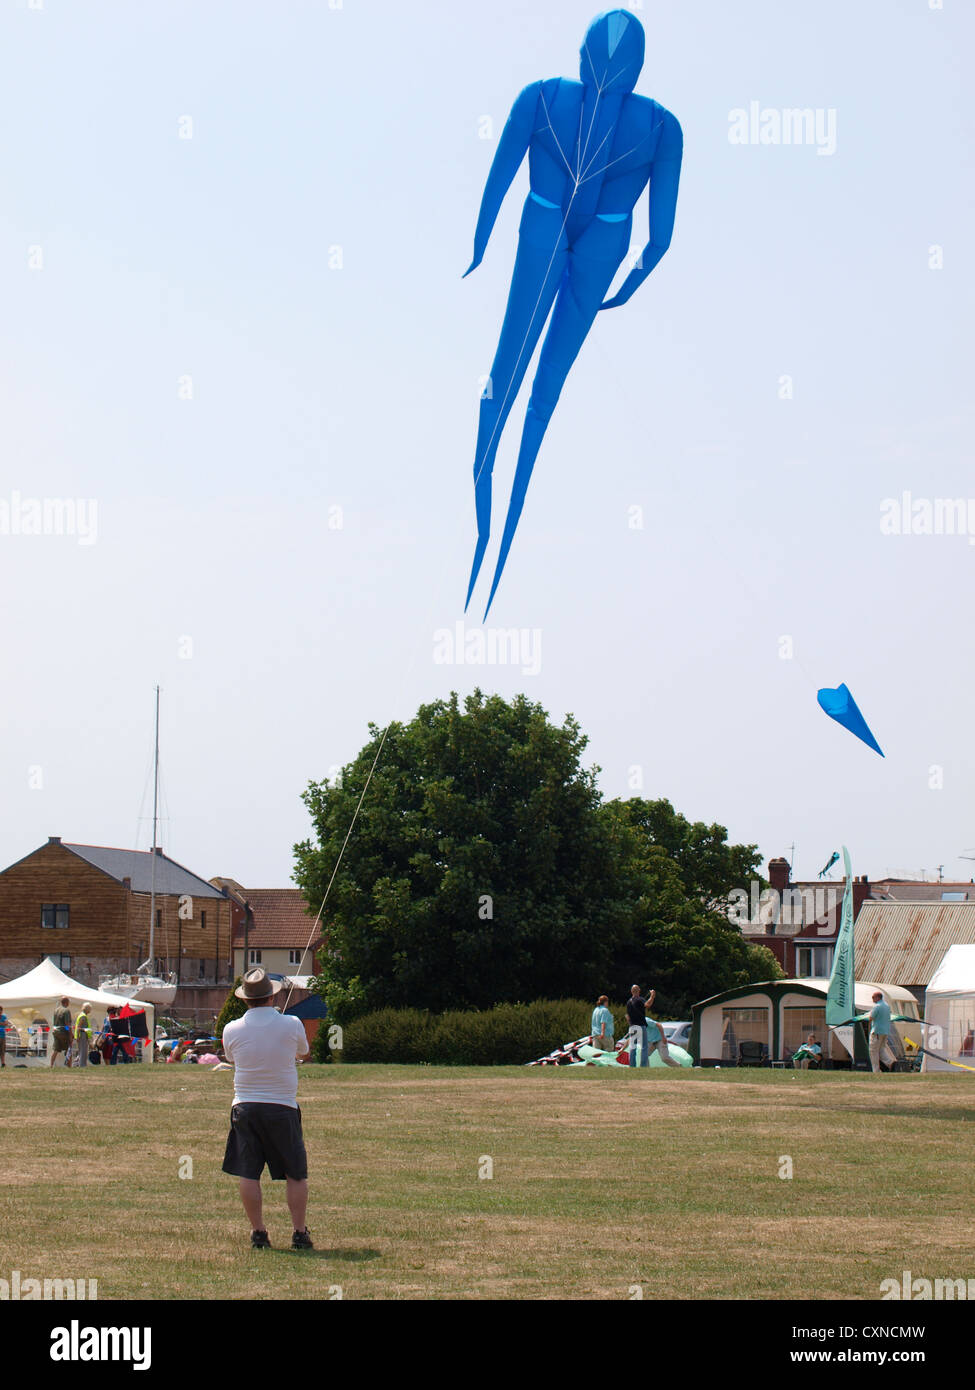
x=662, y=1180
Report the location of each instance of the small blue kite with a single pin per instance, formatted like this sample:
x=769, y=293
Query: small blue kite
x=840, y=705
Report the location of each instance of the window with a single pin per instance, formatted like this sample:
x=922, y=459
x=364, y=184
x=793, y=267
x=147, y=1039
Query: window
x=294, y=957
x=254, y=957
x=799, y=1021
x=62, y=962
x=742, y=1025
x=203, y=968
x=813, y=962
x=203, y=921
x=55, y=915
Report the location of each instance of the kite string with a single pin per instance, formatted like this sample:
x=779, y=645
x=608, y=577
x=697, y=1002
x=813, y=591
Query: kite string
x=338, y=861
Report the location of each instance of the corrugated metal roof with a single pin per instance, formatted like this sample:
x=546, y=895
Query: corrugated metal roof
x=906, y=941
x=136, y=864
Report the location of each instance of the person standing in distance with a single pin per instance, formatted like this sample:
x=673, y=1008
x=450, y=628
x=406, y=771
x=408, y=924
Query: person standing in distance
x=603, y=1025
x=636, y=1012
x=265, y=1121
x=879, y=1017
x=82, y=1034
x=61, y=1032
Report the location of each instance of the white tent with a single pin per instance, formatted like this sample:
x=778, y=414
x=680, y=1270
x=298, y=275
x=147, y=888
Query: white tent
x=949, y=1011
x=38, y=993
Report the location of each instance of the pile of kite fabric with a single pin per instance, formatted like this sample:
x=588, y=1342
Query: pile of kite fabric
x=581, y=1053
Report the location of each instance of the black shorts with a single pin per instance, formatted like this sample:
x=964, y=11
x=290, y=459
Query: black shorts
x=268, y=1134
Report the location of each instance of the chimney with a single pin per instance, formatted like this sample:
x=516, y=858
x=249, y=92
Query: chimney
x=778, y=874
x=54, y=839
x=159, y=849
x=127, y=883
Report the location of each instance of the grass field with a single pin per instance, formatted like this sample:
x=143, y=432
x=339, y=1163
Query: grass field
x=601, y=1181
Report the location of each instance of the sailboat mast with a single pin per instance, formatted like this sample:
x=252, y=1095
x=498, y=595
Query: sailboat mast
x=155, y=822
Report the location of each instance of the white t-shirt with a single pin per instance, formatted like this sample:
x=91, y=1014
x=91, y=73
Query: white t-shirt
x=263, y=1047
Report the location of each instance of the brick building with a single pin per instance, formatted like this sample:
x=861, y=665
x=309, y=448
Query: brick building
x=799, y=922
x=276, y=932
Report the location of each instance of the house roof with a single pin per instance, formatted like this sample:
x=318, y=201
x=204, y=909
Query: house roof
x=913, y=891
x=906, y=941
x=280, y=918
x=233, y=888
x=135, y=864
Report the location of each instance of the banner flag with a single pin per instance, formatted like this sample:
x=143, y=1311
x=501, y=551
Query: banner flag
x=840, y=997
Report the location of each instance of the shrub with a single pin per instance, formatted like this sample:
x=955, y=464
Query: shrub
x=507, y=1035
x=320, y=1050
x=232, y=1008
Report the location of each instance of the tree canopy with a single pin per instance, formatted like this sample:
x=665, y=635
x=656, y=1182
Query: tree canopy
x=485, y=868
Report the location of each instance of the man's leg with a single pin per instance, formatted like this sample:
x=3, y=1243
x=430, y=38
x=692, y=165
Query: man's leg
x=298, y=1201
x=875, y=1042
x=664, y=1051
x=251, y=1196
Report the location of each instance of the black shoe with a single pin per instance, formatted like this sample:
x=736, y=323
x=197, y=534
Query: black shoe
x=260, y=1241
x=301, y=1240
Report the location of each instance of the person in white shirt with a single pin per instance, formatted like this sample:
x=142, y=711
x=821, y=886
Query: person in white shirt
x=265, y=1121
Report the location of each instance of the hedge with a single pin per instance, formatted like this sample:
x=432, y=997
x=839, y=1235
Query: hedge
x=507, y=1035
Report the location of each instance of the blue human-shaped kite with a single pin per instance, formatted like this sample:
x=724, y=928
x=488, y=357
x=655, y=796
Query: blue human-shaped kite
x=593, y=147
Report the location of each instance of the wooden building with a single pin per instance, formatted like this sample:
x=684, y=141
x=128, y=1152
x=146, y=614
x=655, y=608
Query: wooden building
x=87, y=907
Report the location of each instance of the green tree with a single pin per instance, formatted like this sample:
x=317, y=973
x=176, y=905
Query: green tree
x=708, y=866
x=232, y=1008
x=480, y=870
x=763, y=964
x=675, y=878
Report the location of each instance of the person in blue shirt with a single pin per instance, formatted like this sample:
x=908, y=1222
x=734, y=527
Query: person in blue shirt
x=879, y=1017
x=4, y=1025
x=603, y=1025
x=808, y=1054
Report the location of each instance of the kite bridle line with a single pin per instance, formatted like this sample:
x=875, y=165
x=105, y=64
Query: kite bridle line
x=576, y=176
x=338, y=861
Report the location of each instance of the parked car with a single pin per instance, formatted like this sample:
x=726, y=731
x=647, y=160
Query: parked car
x=678, y=1034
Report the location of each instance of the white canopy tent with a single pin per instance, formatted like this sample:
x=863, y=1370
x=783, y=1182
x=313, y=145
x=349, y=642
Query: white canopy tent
x=38, y=993
x=949, y=1012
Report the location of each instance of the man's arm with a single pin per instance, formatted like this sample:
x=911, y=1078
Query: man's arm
x=664, y=179
x=507, y=161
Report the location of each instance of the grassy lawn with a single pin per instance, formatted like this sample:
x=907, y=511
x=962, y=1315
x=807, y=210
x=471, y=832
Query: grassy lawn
x=601, y=1181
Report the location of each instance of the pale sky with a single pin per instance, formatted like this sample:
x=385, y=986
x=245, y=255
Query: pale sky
x=231, y=239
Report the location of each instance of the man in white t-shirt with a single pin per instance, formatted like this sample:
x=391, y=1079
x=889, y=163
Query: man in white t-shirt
x=265, y=1122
